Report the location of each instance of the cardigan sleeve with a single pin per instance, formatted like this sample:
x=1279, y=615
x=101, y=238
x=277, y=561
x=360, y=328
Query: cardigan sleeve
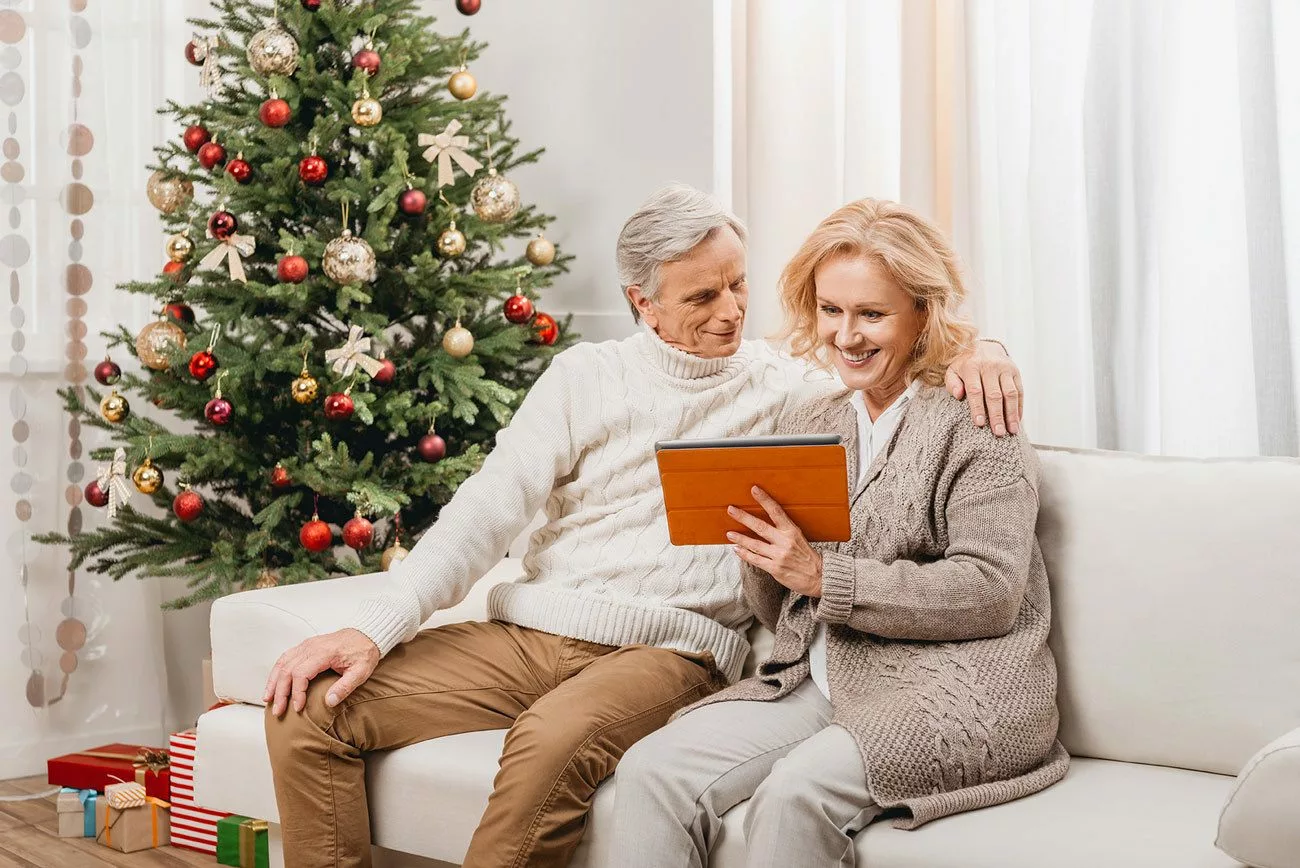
x=974, y=591
x=763, y=593
x=492, y=507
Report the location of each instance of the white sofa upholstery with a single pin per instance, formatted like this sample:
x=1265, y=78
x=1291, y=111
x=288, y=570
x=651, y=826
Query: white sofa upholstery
x=1176, y=595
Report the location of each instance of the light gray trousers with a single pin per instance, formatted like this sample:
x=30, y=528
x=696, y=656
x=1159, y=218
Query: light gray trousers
x=804, y=779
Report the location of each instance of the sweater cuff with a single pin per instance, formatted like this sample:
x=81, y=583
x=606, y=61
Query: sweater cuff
x=838, y=586
x=382, y=623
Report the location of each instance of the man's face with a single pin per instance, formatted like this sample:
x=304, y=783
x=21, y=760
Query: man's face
x=700, y=308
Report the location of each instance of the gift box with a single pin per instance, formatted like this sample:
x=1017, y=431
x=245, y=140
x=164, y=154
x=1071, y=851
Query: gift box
x=98, y=767
x=76, y=810
x=127, y=820
x=192, y=826
x=243, y=842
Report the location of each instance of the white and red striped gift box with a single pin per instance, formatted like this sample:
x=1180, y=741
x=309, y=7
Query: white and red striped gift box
x=193, y=827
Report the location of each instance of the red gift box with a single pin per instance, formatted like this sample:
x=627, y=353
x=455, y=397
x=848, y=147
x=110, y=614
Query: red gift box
x=98, y=767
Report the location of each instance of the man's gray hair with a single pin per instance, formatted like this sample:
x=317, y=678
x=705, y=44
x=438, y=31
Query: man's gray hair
x=667, y=226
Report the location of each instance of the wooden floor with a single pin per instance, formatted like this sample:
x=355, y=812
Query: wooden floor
x=29, y=838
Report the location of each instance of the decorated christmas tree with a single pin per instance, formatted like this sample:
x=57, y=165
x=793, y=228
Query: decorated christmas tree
x=347, y=310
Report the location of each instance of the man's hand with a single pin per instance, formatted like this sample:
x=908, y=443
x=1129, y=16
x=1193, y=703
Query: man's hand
x=348, y=652
x=779, y=548
x=990, y=384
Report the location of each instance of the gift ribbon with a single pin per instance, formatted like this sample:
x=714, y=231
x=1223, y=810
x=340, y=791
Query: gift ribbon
x=112, y=481
x=234, y=247
x=248, y=841
x=445, y=147
x=354, y=351
x=87, y=799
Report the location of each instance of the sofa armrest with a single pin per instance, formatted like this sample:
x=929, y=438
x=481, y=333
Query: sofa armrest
x=250, y=630
x=1260, y=823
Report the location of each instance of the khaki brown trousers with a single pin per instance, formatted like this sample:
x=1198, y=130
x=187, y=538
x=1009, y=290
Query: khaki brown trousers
x=572, y=709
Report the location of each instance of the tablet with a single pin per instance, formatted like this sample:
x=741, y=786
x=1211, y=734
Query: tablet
x=807, y=475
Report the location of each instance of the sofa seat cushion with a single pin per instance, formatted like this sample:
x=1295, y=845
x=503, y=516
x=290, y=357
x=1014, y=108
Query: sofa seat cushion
x=426, y=800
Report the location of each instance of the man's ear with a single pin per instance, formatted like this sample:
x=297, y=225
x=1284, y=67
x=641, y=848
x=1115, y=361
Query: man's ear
x=642, y=305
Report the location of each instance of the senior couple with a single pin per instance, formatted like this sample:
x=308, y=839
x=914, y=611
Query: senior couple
x=910, y=673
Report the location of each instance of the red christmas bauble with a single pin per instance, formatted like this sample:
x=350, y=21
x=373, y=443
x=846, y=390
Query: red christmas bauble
x=191, y=53
x=358, y=532
x=367, y=59
x=412, y=202
x=432, y=448
x=548, y=330
x=468, y=7
x=292, y=269
x=222, y=225
x=202, y=365
x=107, y=372
x=275, y=112
x=188, y=505
x=174, y=269
x=211, y=155
x=386, y=372
x=311, y=5
x=179, y=310
x=280, y=477
x=316, y=535
x=95, y=495
x=518, y=308
x=218, y=411
x=240, y=170
x=339, y=406
x=313, y=169
x=196, y=136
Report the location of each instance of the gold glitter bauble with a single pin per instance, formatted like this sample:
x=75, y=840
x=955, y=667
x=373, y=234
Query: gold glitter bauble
x=451, y=242
x=540, y=251
x=366, y=112
x=267, y=579
x=114, y=408
x=156, y=341
x=304, y=388
x=495, y=198
x=393, y=554
x=179, y=247
x=273, y=51
x=462, y=84
x=147, y=478
x=458, y=342
x=349, y=259
x=168, y=194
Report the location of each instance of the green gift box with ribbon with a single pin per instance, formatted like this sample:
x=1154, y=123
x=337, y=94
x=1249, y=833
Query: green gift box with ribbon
x=243, y=842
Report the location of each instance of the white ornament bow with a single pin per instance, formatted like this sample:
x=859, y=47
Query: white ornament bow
x=112, y=481
x=445, y=147
x=346, y=358
x=205, y=51
x=234, y=247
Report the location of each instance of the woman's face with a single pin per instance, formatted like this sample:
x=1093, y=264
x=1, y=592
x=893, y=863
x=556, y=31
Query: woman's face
x=868, y=324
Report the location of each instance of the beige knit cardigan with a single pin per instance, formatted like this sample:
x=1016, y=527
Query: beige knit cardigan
x=937, y=614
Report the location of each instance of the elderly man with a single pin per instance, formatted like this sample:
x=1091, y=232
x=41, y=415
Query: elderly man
x=612, y=629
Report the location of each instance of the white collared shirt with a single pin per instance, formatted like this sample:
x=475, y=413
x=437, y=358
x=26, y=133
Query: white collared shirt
x=872, y=437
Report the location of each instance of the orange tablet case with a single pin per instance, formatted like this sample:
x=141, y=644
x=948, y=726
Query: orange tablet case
x=810, y=483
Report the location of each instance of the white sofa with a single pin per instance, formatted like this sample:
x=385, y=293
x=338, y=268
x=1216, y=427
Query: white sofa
x=1176, y=592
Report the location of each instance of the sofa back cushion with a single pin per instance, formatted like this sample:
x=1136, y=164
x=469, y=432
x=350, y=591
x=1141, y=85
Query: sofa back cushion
x=1175, y=604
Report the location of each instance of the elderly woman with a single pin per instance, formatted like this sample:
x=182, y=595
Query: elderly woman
x=910, y=672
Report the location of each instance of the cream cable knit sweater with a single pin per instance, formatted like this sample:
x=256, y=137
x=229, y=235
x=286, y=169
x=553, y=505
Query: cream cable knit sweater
x=582, y=445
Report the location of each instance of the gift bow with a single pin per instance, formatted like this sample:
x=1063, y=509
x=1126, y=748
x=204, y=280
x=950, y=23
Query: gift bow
x=112, y=481
x=445, y=147
x=205, y=51
x=234, y=247
x=346, y=358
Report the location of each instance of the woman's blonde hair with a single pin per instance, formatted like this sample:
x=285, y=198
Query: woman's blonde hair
x=915, y=254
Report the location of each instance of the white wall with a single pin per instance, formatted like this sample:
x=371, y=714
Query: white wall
x=621, y=96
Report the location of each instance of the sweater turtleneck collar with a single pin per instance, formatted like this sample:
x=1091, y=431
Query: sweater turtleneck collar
x=681, y=365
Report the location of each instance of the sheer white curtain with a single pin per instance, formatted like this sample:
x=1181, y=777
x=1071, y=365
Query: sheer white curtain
x=79, y=83
x=1115, y=175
